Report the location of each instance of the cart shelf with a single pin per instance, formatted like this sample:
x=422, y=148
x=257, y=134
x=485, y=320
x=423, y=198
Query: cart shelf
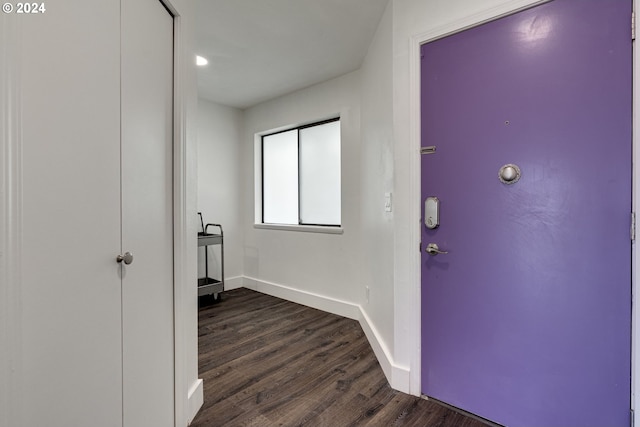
x=208, y=285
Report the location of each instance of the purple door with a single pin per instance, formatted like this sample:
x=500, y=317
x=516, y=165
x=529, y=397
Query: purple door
x=526, y=320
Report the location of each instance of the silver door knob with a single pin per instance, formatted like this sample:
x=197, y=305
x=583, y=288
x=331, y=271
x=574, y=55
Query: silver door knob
x=127, y=258
x=433, y=249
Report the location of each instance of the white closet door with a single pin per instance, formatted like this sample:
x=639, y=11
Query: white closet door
x=93, y=105
x=147, y=213
x=68, y=80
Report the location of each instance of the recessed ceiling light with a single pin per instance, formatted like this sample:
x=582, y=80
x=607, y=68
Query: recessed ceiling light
x=200, y=61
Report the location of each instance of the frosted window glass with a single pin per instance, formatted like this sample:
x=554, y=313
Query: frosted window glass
x=280, y=178
x=320, y=174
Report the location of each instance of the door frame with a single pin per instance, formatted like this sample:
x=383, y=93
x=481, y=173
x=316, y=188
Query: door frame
x=507, y=8
x=10, y=221
x=188, y=398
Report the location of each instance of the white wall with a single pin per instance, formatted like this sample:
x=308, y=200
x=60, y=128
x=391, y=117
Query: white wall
x=377, y=171
x=310, y=263
x=219, y=186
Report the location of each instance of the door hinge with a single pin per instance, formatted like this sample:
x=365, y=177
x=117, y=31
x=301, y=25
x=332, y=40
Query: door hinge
x=420, y=247
x=633, y=227
x=633, y=25
x=633, y=420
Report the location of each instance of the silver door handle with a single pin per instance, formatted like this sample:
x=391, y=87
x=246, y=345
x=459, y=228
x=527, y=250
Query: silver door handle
x=127, y=258
x=433, y=249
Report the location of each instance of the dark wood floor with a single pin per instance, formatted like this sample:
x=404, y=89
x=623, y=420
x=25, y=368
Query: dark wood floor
x=269, y=362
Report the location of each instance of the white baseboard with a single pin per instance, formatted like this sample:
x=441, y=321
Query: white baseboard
x=195, y=398
x=233, y=283
x=321, y=302
x=397, y=375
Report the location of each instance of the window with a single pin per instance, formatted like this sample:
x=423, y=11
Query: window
x=301, y=175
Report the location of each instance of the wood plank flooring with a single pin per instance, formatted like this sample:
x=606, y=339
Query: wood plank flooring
x=269, y=362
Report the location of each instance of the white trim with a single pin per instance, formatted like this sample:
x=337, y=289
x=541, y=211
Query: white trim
x=303, y=228
x=233, y=283
x=10, y=223
x=185, y=404
x=397, y=375
x=414, y=232
x=471, y=21
x=195, y=396
x=321, y=302
x=180, y=277
x=415, y=41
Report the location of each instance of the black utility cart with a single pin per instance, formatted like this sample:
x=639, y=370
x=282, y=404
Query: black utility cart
x=208, y=285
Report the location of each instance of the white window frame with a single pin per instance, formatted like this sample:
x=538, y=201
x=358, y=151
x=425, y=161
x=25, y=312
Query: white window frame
x=258, y=168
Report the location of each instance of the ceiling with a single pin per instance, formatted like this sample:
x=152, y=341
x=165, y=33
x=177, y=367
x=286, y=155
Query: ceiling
x=262, y=49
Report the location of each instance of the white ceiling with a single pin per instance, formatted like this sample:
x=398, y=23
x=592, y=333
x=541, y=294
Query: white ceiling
x=261, y=49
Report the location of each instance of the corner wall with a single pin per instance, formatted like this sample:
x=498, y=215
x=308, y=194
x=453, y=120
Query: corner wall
x=219, y=186
x=377, y=224
x=350, y=274
x=302, y=263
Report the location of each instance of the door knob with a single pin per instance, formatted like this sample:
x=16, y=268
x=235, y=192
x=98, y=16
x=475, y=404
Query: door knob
x=433, y=249
x=127, y=258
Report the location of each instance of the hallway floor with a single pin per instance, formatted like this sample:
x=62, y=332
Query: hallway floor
x=270, y=362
